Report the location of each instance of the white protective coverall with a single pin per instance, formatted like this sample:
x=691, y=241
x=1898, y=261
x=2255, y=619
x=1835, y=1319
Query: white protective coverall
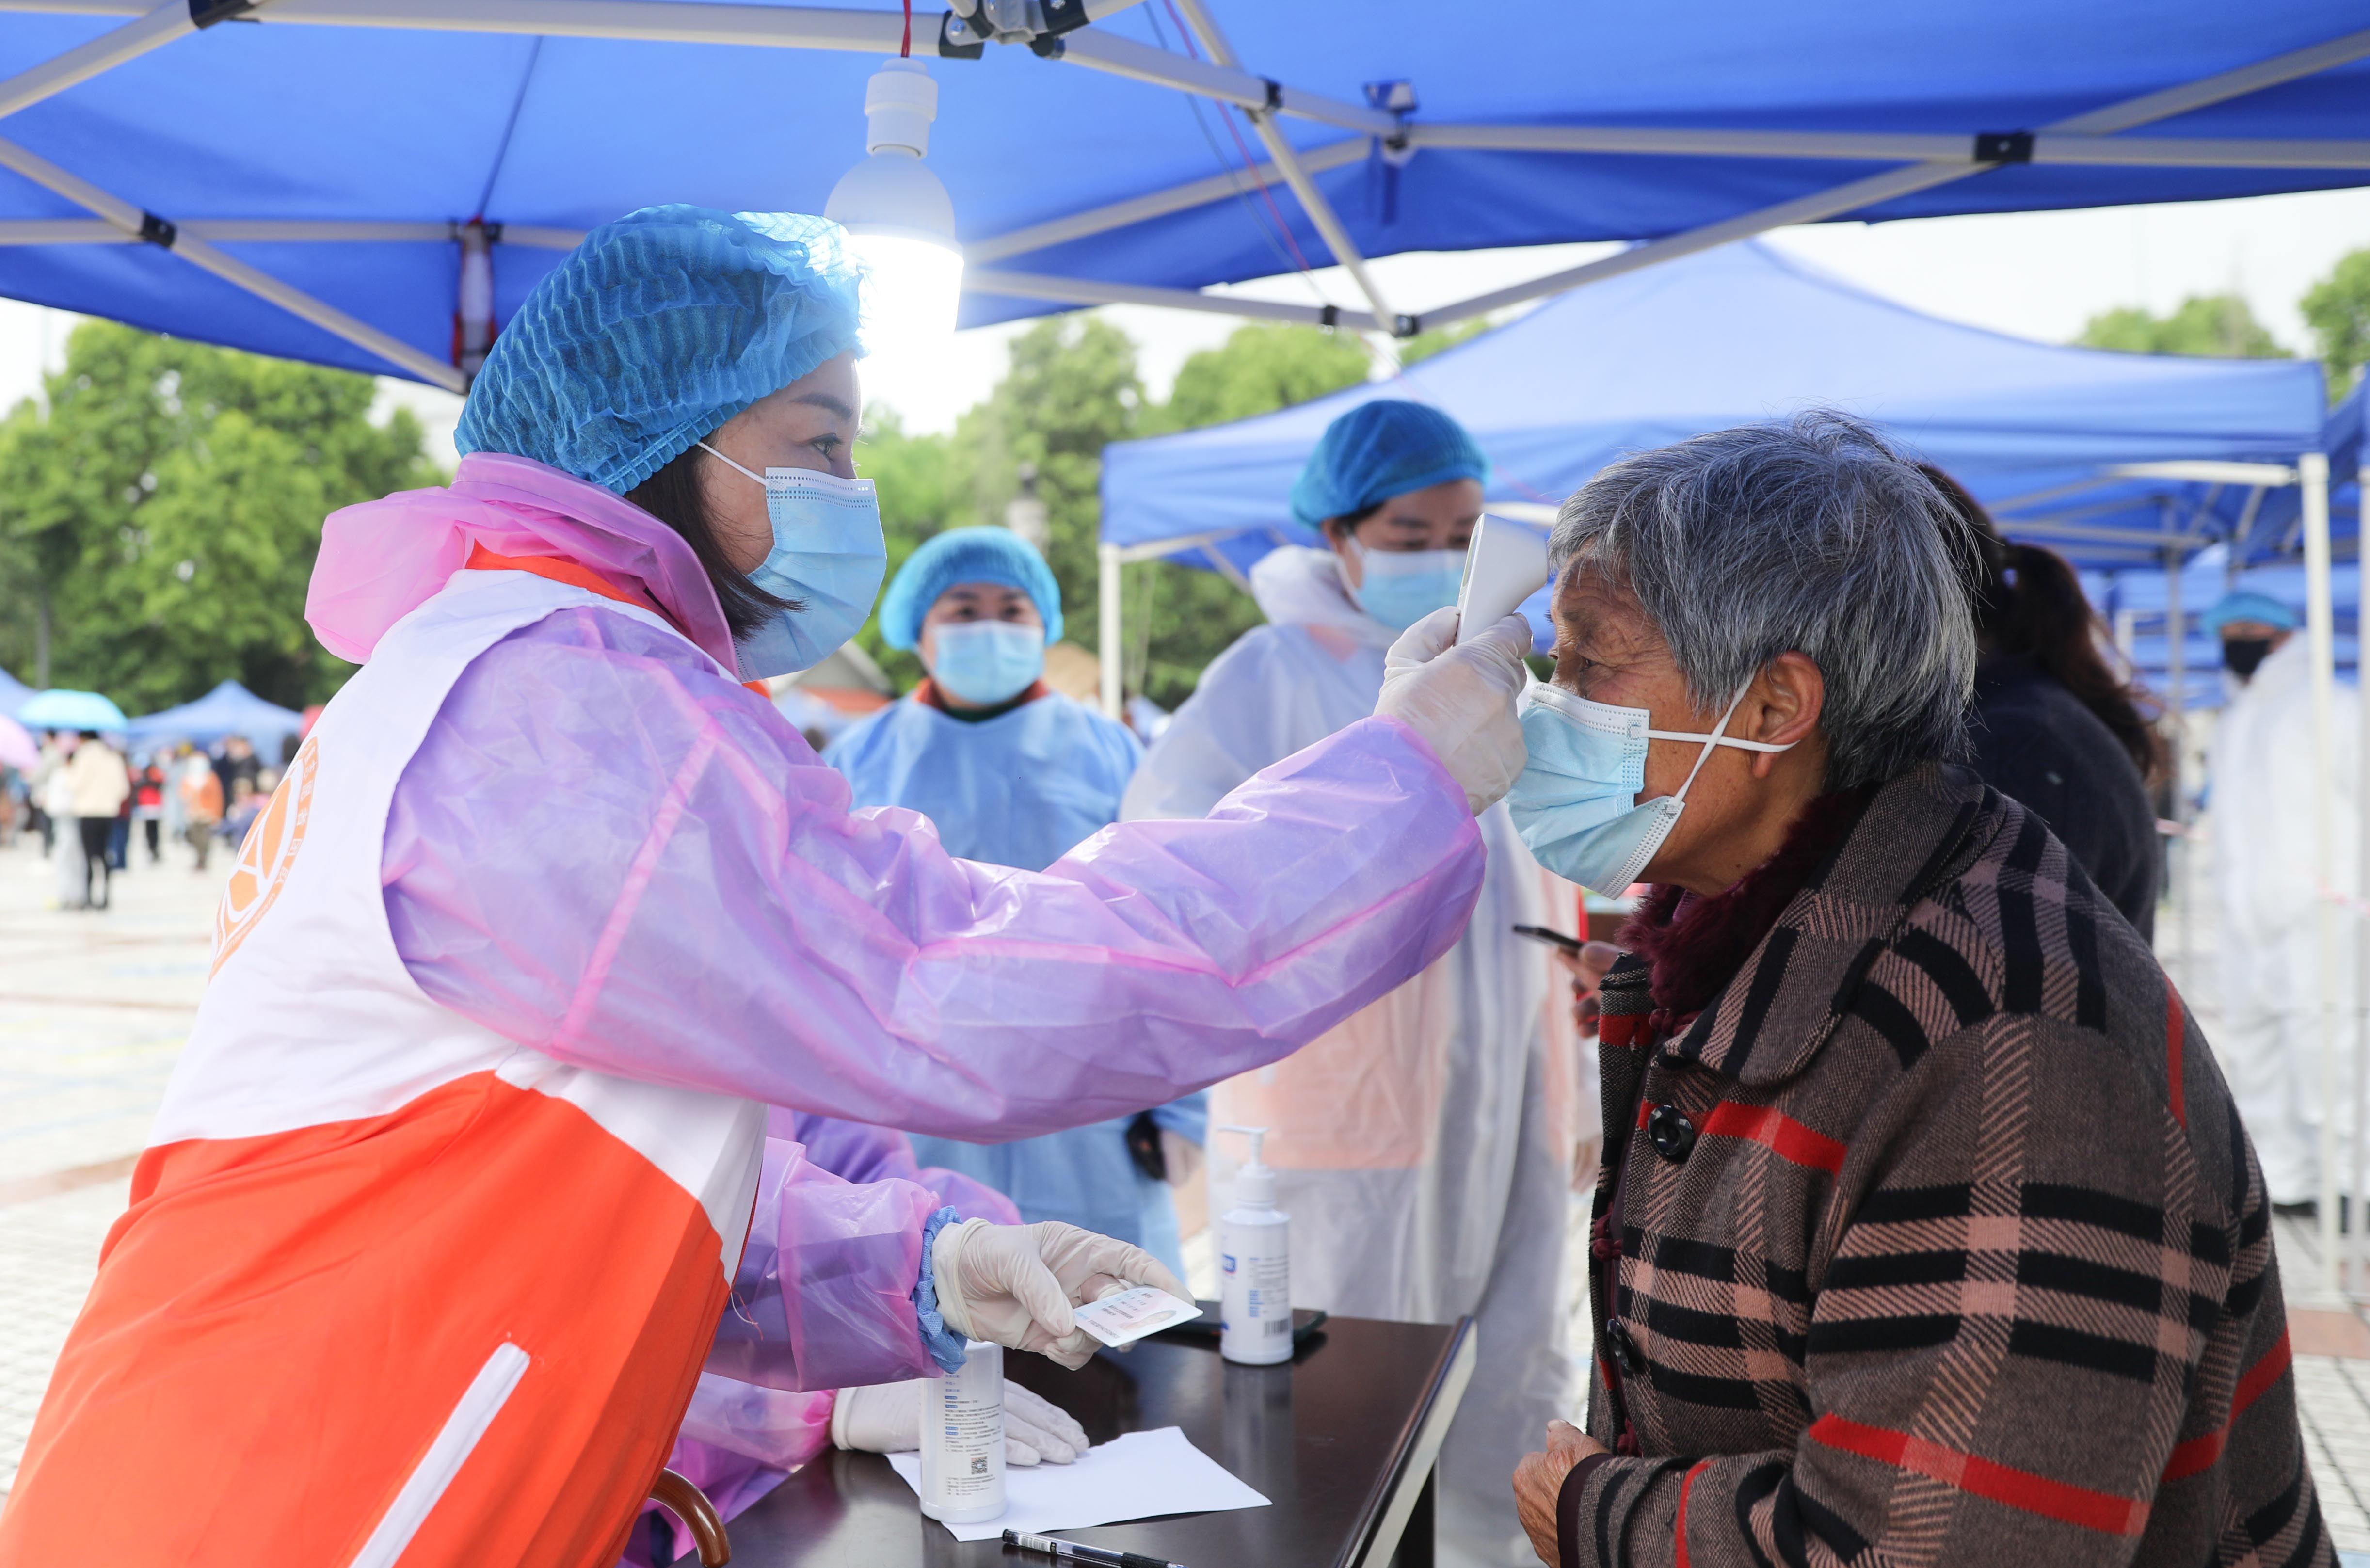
x=1424, y=1149
x=2270, y=881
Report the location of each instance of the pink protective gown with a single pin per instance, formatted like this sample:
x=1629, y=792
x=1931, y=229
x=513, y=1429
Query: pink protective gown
x=739, y=1440
x=546, y=911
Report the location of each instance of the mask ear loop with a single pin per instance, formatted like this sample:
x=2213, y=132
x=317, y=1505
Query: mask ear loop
x=731, y=464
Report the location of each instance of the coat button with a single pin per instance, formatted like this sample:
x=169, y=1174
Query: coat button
x=1672, y=1135
x=1625, y=1353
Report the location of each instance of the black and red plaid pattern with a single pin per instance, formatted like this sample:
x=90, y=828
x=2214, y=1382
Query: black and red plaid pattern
x=1935, y=1239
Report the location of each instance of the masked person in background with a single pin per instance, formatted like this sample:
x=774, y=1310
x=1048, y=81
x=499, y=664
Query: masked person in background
x=465, y=1155
x=1015, y=774
x=1423, y=1147
x=2269, y=880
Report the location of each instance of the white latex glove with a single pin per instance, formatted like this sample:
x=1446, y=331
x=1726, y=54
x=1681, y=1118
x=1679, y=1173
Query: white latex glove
x=1014, y=1284
x=1461, y=700
x=886, y=1418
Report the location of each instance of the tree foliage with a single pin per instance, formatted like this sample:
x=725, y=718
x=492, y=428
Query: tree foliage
x=1439, y=339
x=2214, y=325
x=2338, y=309
x=161, y=514
x=1260, y=368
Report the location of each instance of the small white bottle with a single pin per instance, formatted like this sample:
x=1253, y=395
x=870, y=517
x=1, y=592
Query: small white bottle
x=1255, y=1266
x=962, y=1438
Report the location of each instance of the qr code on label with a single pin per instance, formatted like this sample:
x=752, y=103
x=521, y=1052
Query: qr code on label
x=979, y=1465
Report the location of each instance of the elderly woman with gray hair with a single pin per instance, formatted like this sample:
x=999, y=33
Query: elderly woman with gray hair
x=1933, y=1236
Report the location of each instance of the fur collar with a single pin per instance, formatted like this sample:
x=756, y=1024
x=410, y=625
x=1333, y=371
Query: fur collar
x=1695, y=944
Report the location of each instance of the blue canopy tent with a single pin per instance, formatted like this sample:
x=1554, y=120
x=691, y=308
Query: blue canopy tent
x=1736, y=335
x=306, y=187
x=229, y=709
x=2136, y=603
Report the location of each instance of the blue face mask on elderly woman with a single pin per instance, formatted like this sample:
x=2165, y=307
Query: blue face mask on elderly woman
x=828, y=554
x=1575, y=803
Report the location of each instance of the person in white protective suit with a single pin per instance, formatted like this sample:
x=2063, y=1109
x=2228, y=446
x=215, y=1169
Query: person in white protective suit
x=2269, y=879
x=1424, y=1148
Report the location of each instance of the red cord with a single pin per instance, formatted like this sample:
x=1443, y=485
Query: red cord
x=1242, y=149
x=905, y=50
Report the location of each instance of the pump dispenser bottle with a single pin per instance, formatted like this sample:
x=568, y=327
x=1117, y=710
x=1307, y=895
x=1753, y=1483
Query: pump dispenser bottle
x=1255, y=1265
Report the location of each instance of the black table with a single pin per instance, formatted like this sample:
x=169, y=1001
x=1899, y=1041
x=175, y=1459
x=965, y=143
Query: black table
x=1341, y=1440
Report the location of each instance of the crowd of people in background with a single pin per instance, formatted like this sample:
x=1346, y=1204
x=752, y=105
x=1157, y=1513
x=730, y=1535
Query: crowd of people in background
x=94, y=804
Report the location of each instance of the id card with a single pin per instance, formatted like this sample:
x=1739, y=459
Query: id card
x=1131, y=1314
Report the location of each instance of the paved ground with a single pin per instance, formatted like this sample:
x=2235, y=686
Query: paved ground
x=94, y=1008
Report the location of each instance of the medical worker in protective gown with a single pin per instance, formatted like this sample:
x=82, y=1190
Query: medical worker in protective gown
x=462, y=1178
x=1015, y=774
x=1424, y=1148
x=2270, y=879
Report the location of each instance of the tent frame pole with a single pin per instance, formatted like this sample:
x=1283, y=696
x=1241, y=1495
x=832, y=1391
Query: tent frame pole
x=1094, y=291
x=1312, y=201
x=164, y=25
x=2359, y=1273
x=2321, y=632
x=1159, y=204
x=1107, y=629
x=198, y=253
x=2123, y=116
x=1880, y=146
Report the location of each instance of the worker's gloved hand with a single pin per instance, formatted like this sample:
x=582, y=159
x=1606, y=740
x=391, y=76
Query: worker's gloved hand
x=1461, y=700
x=1014, y=1284
x=886, y=1418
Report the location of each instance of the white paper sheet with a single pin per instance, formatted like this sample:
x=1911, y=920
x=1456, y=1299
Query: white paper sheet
x=1136, y=1477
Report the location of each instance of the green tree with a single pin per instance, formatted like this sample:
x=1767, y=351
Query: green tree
x=1072, y=390
x=2338, y=309
x=165, y=508
x=2214, y=325
x=1423, y=345
x=923, y=490
x=1260, y=368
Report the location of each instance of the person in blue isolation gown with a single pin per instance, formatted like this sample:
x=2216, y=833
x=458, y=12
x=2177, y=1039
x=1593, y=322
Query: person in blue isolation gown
x=1015, y=773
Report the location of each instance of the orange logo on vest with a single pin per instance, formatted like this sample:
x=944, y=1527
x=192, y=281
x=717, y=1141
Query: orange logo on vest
x=265, y=857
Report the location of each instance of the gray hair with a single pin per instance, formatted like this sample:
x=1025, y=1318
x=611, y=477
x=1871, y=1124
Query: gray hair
x=1808, y=534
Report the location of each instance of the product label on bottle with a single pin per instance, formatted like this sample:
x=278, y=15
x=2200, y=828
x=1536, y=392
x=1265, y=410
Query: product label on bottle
x=1255, y=1319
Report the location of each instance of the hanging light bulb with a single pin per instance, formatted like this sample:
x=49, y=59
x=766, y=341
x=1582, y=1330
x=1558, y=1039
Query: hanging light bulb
x=898, y=218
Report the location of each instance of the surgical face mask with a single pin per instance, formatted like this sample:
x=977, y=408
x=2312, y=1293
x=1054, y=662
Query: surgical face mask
x=1401, y=587
x=2245, y=655
x=986, y=662
x=828, y=554
x=1576, y=801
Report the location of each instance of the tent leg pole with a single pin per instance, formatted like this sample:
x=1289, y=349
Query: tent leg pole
x=2176, y=632
x=2312, y=471
x=1108, y=629
x=2358, y=1252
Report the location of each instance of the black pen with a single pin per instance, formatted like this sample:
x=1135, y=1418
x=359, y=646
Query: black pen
x=1078, y=1553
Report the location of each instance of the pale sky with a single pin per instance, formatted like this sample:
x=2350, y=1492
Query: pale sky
x=2037, y=275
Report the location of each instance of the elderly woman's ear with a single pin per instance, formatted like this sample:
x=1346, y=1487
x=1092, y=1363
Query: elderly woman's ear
x=1783, y=708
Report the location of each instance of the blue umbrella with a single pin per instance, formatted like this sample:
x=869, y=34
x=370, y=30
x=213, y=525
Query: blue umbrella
x=59, y=709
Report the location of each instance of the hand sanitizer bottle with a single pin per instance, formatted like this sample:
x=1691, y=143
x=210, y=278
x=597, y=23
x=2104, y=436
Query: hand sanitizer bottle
x=1255, y=1266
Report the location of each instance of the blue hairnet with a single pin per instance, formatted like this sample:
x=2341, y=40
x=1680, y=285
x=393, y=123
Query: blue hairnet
x=1378, y=450
x=2249, y=606
x=967, y=555
x=655, y=330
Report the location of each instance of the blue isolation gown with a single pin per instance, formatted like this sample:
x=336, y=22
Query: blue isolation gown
x=1023, y=788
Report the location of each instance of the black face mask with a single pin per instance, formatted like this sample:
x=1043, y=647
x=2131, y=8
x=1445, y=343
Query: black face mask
x=2243, y=655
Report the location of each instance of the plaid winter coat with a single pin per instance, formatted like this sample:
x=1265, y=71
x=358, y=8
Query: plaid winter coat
x=1940, y=1241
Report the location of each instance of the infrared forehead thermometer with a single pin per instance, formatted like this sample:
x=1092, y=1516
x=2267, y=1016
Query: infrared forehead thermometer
x=1505, y=564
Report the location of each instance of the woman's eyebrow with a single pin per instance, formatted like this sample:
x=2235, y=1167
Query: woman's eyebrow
x=829, y=404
